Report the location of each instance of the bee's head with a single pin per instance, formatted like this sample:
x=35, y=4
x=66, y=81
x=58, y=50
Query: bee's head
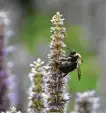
x=79, y=57
x=73, y=52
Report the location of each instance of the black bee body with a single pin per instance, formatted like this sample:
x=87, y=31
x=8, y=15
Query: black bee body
x=70, y=63
x=68, y=67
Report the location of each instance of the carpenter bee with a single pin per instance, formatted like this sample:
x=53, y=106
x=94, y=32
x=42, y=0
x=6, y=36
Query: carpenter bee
x=70, y=63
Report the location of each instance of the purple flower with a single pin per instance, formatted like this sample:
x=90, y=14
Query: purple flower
x=86, y=102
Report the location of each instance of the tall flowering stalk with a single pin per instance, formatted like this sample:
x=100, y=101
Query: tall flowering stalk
x=57, y=96
x=7, y=50
x=86, y=102
x=36, y=102
x=10, y=64
x=7, y=84
x=12, y=79
x=4, y=100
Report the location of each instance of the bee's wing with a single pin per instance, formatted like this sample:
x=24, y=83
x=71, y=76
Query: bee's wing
x=79, y=71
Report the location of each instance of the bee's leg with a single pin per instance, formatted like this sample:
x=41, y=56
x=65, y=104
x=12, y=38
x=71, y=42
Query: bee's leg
x=79, y=71
x=62, y=75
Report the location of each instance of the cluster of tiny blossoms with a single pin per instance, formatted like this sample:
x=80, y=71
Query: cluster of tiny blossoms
x=58, y=34
x=36, y=102
x=57, y=95
x=12, y=110
x=86, y=102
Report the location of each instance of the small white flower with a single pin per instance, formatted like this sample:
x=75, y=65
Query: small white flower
x=31, y=75
x=30, y=103
x=4, y=17
x=32, y=65
x=9, y=33
x=62, y=36
x=32, y=94
x=66, y=96
x=52, y=29
x=63, y=44
x=63, y=29
x=33, y=70
x=8, y=111
x=19, y=112
x=57, y=20
x=13, y=108
x=38, y=60
x=10, y=64
x=29, y=110
x=10, y=49
x=61, y=22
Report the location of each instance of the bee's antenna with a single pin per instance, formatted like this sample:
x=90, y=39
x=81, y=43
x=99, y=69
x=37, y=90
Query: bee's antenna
x=70, y=49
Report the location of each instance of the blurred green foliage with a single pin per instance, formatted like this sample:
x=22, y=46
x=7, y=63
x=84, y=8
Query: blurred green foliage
x=36, y=28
